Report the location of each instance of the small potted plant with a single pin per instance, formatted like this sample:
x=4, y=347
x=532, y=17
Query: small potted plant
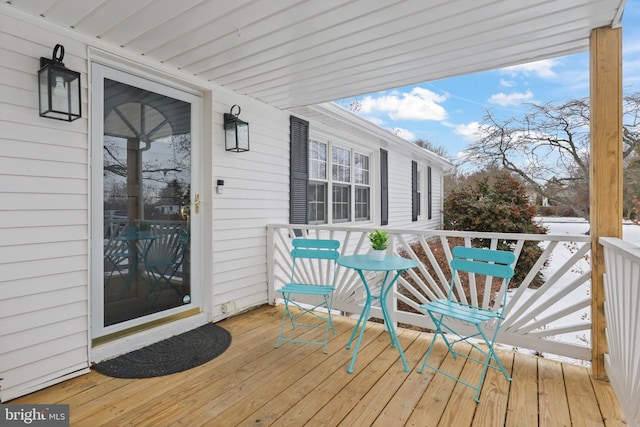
x=379, y=243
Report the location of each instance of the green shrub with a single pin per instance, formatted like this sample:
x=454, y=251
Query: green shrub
x=496, y=203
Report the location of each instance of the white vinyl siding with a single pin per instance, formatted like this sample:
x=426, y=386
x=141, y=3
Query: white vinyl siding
x=43, y=220
x=256, y=193
x=400, y=195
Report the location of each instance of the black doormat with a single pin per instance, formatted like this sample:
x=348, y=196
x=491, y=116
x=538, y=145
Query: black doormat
x=175, y=354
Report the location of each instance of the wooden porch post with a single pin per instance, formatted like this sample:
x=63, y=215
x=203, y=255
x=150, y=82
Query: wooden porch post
x=134, y=180
x=605, y=170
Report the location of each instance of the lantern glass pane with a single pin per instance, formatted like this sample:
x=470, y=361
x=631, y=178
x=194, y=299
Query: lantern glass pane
x=74, y=96
x=44, y=91
x=59, y=92
x=230, y=136
x=243, y=136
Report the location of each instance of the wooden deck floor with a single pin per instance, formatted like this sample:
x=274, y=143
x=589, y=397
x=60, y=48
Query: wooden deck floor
x=253, y=384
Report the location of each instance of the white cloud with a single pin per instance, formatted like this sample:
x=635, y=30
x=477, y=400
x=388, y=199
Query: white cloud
x=542, y=69
x=419, y=104
x=404, y=133
x=514, y=98
x=507, y=83
x=468, y=131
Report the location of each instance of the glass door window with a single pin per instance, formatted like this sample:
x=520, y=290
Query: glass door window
x=147, y=144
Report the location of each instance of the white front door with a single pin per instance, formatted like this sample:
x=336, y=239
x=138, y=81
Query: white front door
x=145, y=222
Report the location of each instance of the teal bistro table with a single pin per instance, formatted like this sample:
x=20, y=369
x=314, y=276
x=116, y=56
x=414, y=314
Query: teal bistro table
x=137, y=244
x=393, y=267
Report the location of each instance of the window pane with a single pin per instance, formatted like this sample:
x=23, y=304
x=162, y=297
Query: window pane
x=317, y=160
x=362, y=204
x=341, y=203
x=317, y=203
x=144, y=192
x=361, y=166
x=341, y=164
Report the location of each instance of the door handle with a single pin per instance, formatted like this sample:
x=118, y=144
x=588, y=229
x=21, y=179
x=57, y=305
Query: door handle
x=196, y=202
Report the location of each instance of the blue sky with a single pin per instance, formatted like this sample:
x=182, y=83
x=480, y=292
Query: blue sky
x=446, y=112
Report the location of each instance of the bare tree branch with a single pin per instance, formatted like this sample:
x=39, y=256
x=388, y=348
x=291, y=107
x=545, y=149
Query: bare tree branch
x=549, y=148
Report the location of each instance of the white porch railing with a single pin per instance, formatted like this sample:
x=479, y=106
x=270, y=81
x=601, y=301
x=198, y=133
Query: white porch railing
x=553, y=319
x=622, y=311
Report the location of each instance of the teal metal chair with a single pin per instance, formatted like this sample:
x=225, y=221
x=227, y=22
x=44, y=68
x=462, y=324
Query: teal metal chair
x=311, y=280
x=451, y=313
x=120, y=256
x=163, y=258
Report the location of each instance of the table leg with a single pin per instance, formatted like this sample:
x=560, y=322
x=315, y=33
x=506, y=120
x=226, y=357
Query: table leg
x=387, y=317
x=362, y=321
x=132, y=267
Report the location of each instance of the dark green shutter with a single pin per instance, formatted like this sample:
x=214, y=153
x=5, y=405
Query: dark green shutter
x=429, y=192
x=384, y=187
x=414, y=191
x=299, y=171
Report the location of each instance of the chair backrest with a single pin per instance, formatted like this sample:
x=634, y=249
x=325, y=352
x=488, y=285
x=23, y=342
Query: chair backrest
x=487, y=262
x=167, y=248
x=315, y=248
x=117, y=240
x=319, y=249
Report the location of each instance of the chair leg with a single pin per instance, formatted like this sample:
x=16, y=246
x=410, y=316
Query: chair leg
x=286, y=314
x=490, y=355
x=327, y=321
x=159, y=279
x=115, y=267
x=438, y=332
x=329, y=304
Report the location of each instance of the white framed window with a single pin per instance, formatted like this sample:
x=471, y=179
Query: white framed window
x=341, y=181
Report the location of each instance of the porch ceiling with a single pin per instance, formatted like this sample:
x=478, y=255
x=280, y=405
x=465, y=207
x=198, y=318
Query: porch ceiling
x=291, y=53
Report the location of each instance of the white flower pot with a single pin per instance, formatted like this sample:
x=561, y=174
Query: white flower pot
x=378, y=255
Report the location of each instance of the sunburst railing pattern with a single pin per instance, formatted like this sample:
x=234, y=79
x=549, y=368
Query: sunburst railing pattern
x=548, y=311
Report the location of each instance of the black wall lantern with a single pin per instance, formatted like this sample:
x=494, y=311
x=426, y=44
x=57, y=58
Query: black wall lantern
x=59, y=88
x=236, y=132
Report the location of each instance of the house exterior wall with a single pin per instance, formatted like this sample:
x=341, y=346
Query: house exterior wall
x=256, y=193
x=400, y=192
x=333, y=123
x=46, y=209
x=44, y=228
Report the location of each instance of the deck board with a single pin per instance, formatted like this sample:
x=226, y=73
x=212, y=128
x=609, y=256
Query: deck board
x=553, y=406
x=492, y=409
x=522, y=410
x=255, y=384
x=582, y=398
